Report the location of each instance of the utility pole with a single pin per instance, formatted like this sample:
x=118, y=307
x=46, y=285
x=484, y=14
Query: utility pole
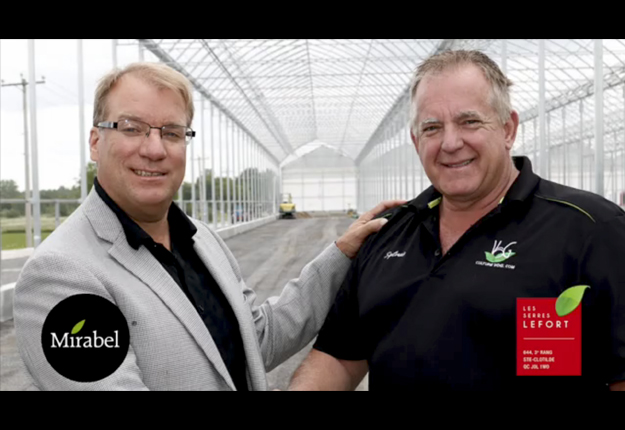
x=81, y=122
x=29, y=221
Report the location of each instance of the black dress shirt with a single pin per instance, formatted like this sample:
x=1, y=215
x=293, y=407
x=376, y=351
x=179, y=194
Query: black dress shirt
x=192, y=276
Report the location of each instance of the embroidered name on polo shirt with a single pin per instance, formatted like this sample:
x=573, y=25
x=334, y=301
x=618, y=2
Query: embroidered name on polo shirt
x=394, y=254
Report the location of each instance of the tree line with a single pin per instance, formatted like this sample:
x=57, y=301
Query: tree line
x=239, y=185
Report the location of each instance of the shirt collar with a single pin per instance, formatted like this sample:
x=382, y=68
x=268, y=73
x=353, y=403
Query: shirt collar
x=180, y=227
x=523, y=187
x=427, y=200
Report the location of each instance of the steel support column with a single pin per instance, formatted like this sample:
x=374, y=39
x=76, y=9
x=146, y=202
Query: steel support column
x=599, y=153
x=581, y=144
x=541, y=109
x=213, y=200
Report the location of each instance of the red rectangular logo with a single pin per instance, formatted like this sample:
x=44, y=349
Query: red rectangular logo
x=547, y=344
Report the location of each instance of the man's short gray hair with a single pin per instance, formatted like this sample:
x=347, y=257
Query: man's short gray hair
x=436, y=64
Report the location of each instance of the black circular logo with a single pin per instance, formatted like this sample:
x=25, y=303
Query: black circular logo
x=85, y=338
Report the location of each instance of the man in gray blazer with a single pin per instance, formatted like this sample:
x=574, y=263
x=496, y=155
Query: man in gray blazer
x=193, y=323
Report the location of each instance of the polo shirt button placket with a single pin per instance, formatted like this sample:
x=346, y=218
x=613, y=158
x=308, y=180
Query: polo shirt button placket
x=437, y=253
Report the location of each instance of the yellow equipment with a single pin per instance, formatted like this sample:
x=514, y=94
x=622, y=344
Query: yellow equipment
x=287, y=207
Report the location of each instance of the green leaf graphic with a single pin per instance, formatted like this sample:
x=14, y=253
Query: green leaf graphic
x=570, y=299
x=78, y=327
x=490, y=257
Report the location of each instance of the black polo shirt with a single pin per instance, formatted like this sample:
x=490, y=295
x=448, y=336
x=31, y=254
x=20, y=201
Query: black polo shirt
x=187, y=269
x=432, y=322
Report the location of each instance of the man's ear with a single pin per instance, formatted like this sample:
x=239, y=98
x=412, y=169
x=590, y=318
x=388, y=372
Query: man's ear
x=510, y=129
x=94, y=139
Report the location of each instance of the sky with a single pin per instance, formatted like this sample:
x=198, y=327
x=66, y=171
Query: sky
x=58, y=135
x=58, y=129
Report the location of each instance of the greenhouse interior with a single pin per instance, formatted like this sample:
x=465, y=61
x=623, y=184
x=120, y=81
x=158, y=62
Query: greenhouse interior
x=322, y=122
x=294, y=139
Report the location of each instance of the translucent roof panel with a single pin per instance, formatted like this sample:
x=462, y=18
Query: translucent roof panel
x=287, y=93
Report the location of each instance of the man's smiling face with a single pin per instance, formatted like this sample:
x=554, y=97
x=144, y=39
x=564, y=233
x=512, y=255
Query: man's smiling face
x=140, y=174
x=460, y=139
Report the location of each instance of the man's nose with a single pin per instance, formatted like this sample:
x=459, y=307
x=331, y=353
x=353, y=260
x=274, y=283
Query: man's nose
x=153, y=146
x=452, y=139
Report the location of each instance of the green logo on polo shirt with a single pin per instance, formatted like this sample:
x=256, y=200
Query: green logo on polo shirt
x=500, y=254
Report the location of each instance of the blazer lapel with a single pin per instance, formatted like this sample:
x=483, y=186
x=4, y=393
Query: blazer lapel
x=142, y=264
x=211, y=253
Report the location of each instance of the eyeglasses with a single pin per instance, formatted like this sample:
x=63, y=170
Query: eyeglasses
x=135, y=129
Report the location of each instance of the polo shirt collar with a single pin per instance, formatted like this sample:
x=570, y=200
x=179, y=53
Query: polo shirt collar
x=180, y=226
x=525, y=184
x=428, y=199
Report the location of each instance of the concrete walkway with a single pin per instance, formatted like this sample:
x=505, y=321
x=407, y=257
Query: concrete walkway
x=16, y=253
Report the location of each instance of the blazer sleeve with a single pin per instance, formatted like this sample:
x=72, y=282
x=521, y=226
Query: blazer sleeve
x=287, y=323
x=47, y=279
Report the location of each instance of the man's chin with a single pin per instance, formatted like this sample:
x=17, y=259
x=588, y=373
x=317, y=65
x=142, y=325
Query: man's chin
x=458, y=192
x=152, y=200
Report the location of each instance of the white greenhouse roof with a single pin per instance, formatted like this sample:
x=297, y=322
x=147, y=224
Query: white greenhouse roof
x=287, y=93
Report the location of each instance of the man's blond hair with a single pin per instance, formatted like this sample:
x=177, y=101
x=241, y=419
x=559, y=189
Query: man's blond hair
x=439, y=63
x=157, y=74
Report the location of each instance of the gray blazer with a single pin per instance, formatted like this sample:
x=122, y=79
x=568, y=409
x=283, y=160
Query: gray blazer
x=170, y=347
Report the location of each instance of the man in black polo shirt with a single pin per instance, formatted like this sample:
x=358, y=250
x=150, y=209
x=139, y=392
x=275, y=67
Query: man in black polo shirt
x=431, y=301
x=193, y=323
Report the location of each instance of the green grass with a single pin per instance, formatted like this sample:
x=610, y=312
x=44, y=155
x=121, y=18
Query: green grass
x=19, y=224
x=17, y=240
x=13, y=231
